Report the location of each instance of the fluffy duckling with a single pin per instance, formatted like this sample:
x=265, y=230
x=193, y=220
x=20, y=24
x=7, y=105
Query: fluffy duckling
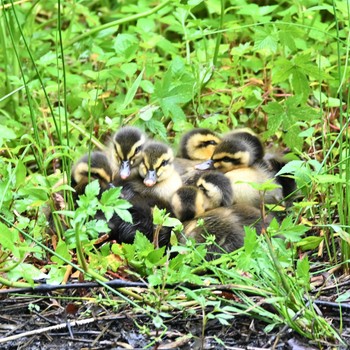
x=198, y=144
x=216, y=188
x=125, y=152
x=93, y=166
x=238, y=149
x=98, y=167
x=157, y=171
x=225, y=223
x=157, y=180
x=240, y=157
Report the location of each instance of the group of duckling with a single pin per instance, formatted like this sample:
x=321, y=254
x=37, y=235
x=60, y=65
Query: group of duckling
x=209, y=179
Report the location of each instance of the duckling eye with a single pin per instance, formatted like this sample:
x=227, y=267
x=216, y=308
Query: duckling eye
x=203, y=189
x=227, y=160
x=212, y=142
x=137, y=149
x=164, y=162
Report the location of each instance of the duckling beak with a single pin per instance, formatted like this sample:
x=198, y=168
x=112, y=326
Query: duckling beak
x=207, y=165
x=125, y=169
x=151, y=178
x=110, y=185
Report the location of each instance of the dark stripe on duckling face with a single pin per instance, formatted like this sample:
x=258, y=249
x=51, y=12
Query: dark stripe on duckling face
x=227, y=161
x=201, y=146
x=82, y=175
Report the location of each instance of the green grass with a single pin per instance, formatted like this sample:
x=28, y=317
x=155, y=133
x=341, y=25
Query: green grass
x=72, y=73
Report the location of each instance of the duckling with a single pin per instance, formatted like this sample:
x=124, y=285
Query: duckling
x=213, y=189
x=93, y=166
x=240, y=157
x=159, y=177
x=124, y=152
x=188, y=202
x=198, y=144
x=141, y=211
x=238, y=149
x=216, y=188
x=225, y=223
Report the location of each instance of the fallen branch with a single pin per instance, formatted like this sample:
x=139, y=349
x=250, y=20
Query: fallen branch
x=58, y=326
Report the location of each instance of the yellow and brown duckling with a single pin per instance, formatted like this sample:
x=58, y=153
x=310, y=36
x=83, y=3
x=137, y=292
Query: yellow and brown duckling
x=216, y=188
x=97, y=166
x=225, y=223
x=211, y=190
x=157, y=171
x=91, y=166
x=238, y=149
x=125, y=152
x=240, y=157
x=198, y=144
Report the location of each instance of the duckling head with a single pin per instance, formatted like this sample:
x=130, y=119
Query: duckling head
x=198, y=144
x=157, y=163
x=236, y=150
x=216, y=188
x=93, y=166
x=127, y=144
x=187, y=203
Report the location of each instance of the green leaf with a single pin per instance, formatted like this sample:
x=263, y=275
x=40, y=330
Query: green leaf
x=310, y=242
x=266, y=41
x=157, y=321
x=8, y=237
x=142, y=244
x=300, y=83
x=156, y=258
x=303, y=271
x=126, y=45
x=61, y=250
x=132, y=91
x=6, y=134
x=110, y=196
x=21, y=172
x=26, y=271
x=146, y=113
x=343, y=297
x=92, y=189
x=124, y=214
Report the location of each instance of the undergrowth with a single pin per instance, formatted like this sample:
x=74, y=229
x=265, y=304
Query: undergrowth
x=74, y=72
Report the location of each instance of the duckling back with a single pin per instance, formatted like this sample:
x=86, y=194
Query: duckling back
x=245, y=193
